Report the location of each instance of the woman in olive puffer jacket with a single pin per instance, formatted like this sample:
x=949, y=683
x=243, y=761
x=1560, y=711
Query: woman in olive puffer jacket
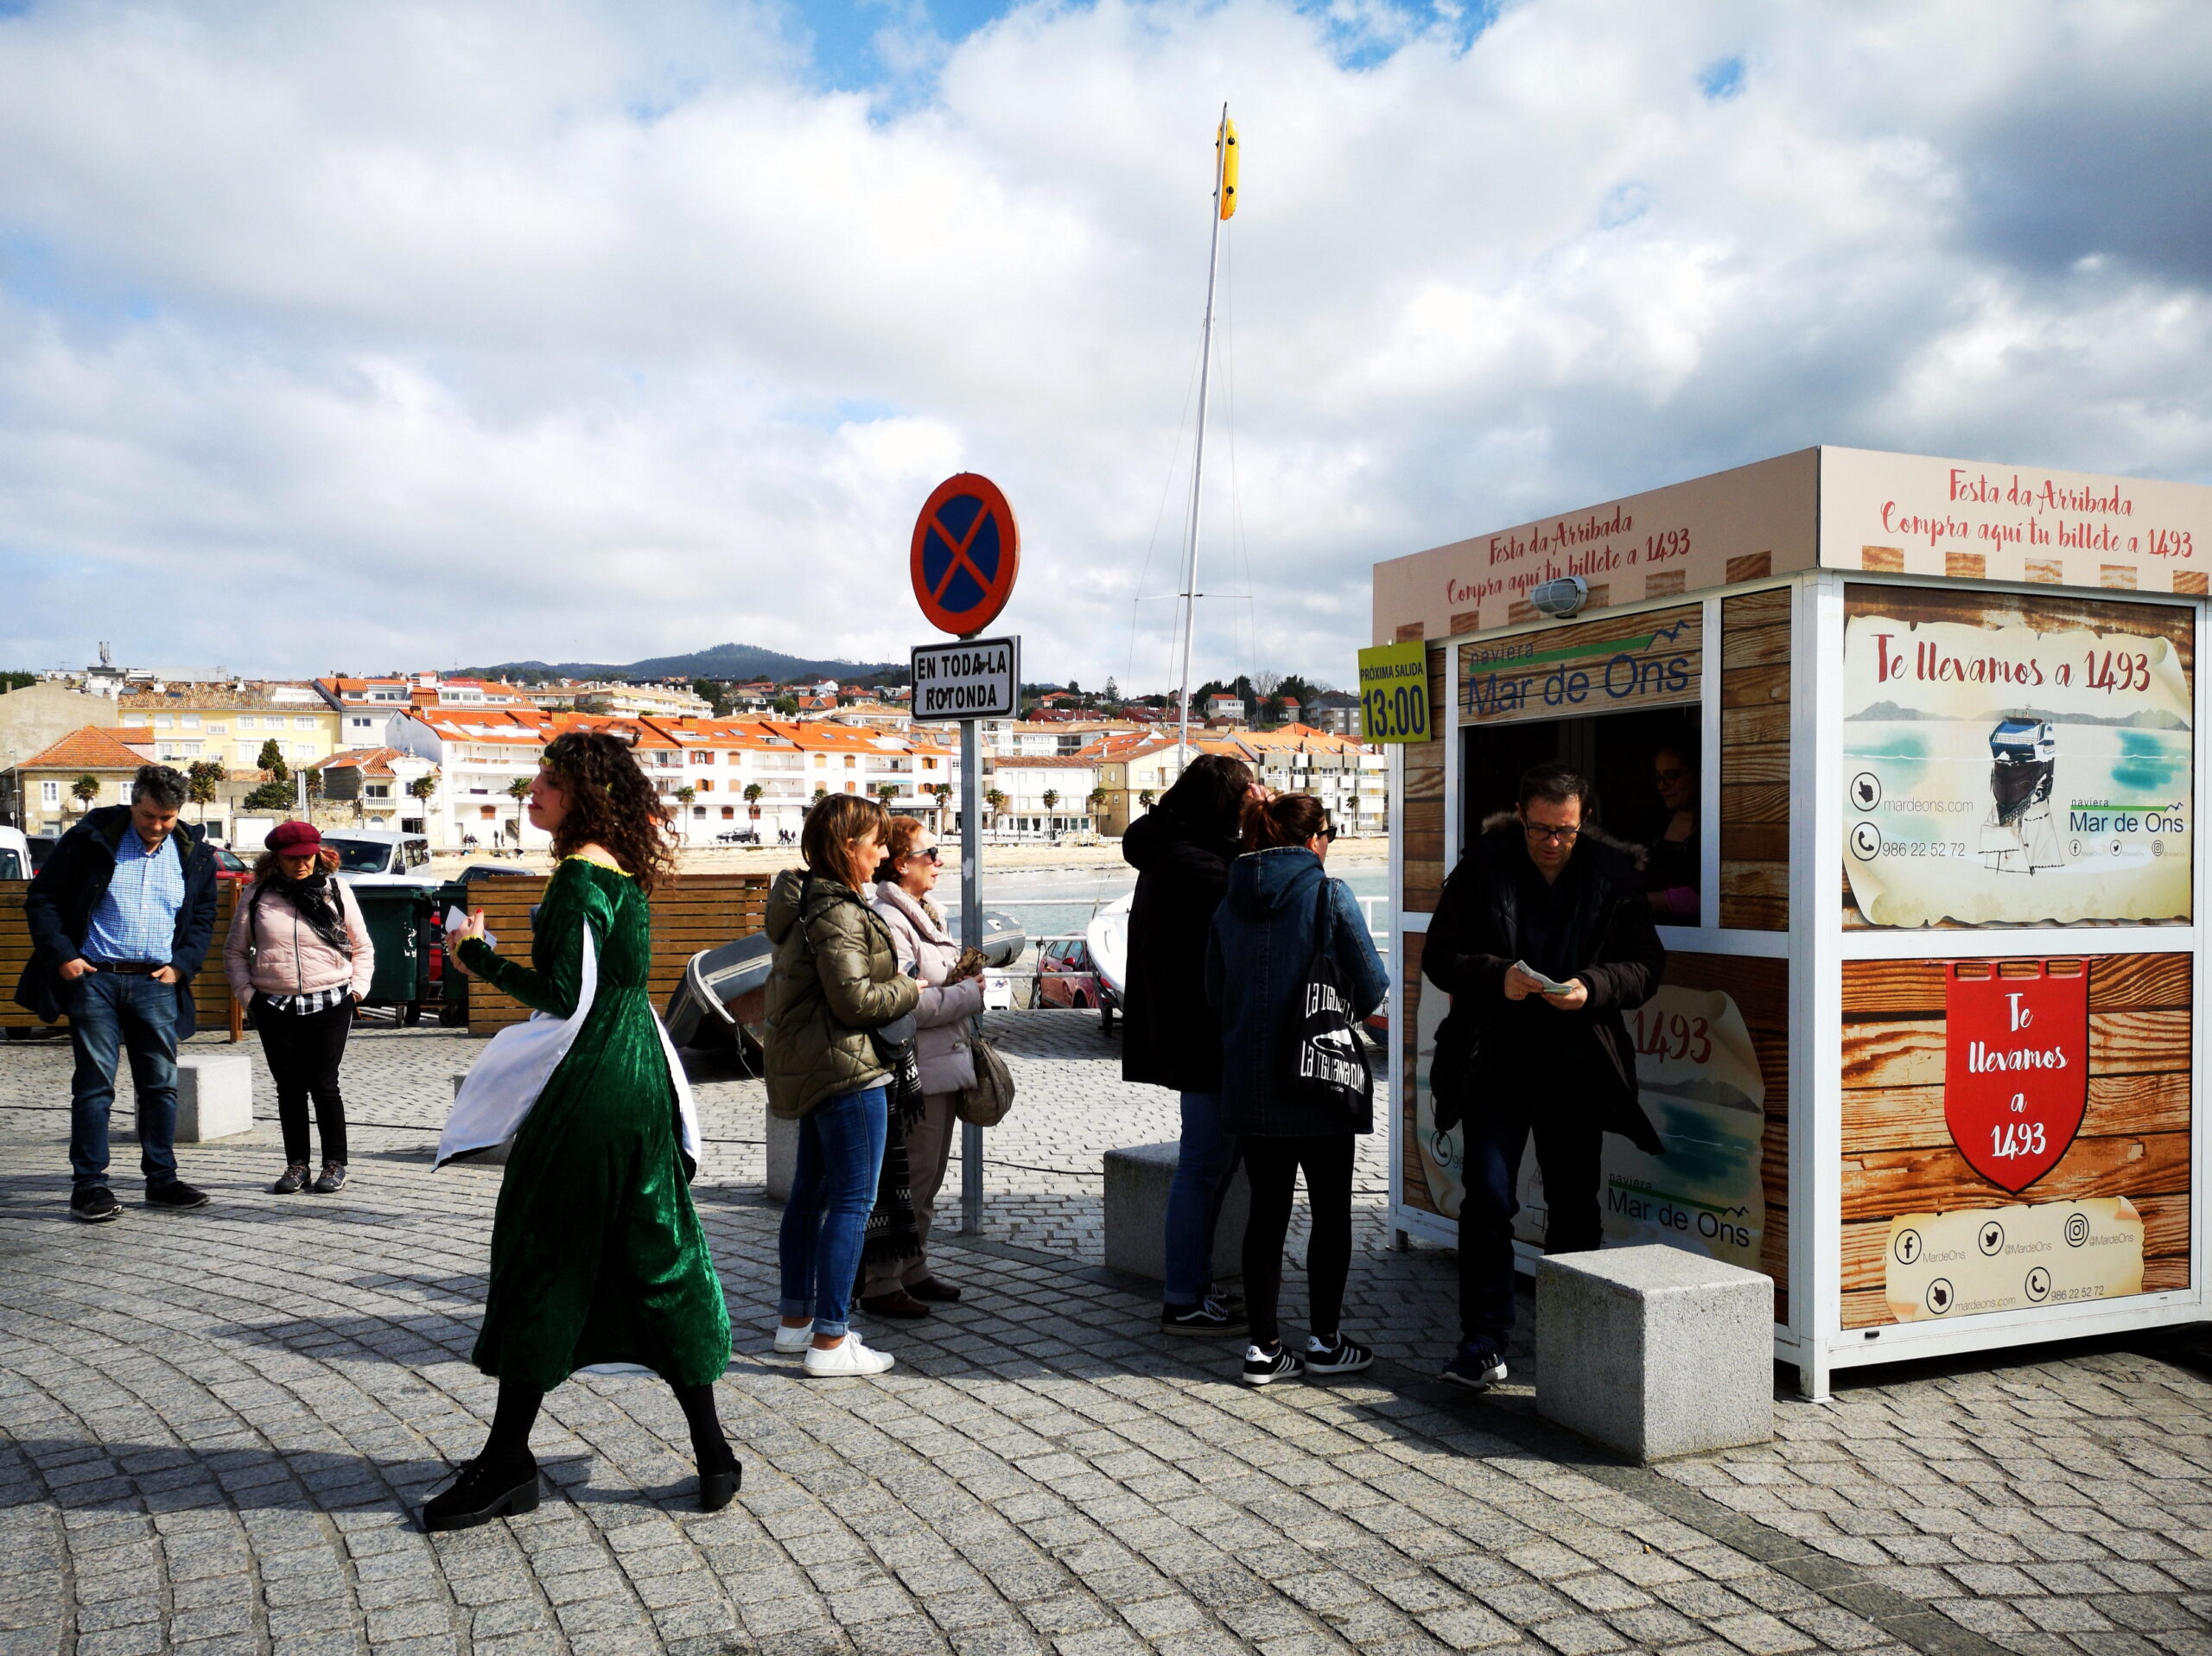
x=835, y=977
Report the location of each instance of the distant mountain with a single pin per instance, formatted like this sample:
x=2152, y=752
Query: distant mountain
x=729, y=661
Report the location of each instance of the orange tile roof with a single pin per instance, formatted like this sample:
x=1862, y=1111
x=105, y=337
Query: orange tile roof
x=370, y=761
x=89, y=749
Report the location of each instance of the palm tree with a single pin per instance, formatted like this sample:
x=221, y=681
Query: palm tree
x=1098, y=802
x=994, y=799
x=888, y=792
x=1051, y=798
x=755, y=793
x=1145, y=797
x=85, y=789
x=686, y=794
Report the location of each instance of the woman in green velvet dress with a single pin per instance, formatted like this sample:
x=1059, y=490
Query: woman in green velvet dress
x=597, y=1254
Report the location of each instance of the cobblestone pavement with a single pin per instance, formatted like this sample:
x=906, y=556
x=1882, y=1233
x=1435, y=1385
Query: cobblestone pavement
x=211, y=1425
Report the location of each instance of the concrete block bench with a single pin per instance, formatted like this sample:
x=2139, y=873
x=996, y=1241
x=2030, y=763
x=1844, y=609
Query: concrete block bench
x=214, y=1096
x=1137, y=1180
x=1655, y=1351
x=782, y=1154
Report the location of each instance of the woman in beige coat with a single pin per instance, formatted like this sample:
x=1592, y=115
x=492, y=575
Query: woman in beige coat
x=952, y=994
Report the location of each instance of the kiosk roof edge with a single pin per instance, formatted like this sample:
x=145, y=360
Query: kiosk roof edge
x=1828, y=507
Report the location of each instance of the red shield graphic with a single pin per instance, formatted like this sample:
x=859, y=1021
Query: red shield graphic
x=2015, y=1064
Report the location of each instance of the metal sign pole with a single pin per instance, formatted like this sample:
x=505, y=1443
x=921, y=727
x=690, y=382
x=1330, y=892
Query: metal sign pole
x=971, y=934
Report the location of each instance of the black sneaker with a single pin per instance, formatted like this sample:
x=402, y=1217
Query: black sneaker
x=291, y=1181
x=333, y=1179
x=484, y=1491
x=95, y=1204
x=1207, y=1318
x=1478, y=1366
x=1264, y=1369
x=1343, y=1357
x=175, y=1194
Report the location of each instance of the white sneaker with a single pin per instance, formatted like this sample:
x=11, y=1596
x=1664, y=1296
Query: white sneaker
x=796, y=1339
x=848, y=1356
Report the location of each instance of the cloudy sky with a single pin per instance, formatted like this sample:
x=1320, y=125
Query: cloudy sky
x=359, y=336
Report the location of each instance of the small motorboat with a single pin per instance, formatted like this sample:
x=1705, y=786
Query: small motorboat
x=1004, y=940
x=723, y=991
x=1109, y=937
x=721, y=1002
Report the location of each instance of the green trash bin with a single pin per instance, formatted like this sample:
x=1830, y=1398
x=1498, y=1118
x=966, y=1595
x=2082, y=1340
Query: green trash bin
x=397, y=917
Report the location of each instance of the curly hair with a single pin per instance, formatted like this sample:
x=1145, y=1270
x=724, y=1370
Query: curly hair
x=610, y=804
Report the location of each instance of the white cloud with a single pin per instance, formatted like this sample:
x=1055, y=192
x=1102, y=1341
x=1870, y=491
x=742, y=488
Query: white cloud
x=353, y=336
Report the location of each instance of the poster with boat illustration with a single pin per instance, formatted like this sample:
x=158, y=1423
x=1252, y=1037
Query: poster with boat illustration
x=2011, y=760
x=1700, y=1079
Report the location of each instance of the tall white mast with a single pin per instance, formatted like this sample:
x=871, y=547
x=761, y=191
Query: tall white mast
x=1190, y=592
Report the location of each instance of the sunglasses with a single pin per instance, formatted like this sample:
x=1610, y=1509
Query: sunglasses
x=934, y=855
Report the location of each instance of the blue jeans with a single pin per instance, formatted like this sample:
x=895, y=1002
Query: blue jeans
x=1570, y=1149
x=833, y=1192
x=111, y=1012
x=1204, y=1166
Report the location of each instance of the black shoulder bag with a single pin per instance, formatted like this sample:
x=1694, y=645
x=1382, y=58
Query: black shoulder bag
x=1325, y=1065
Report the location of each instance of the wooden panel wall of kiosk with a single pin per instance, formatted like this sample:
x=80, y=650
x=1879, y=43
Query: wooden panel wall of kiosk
x=1846, y=1019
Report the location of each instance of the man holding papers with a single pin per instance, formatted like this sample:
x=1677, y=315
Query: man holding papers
x=1543, y=938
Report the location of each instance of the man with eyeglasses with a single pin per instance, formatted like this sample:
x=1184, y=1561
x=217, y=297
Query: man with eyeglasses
x=1542, y=895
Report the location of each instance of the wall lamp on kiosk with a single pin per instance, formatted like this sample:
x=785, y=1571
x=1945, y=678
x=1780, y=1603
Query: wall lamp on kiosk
x=1562, y=597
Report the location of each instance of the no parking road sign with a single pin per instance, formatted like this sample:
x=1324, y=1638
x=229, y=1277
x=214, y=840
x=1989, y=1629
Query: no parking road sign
x=976, y=678
x=967, y=551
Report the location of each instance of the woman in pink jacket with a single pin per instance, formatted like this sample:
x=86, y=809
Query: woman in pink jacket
x=299, y=959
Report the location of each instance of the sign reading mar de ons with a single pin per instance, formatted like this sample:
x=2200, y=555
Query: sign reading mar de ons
x=1649, y=660
x=975, y=678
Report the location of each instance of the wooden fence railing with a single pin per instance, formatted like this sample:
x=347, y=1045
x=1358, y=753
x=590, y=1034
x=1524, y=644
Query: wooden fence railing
x=695, y=911
x=211, y=992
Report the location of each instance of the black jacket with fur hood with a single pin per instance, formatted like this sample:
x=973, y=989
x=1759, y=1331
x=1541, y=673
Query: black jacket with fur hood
x=1475, y=934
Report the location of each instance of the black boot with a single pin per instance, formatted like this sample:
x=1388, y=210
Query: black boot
x=486, y=1489
x=721, y=1477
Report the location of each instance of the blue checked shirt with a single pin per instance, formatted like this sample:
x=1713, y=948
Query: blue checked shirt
x=136, y=920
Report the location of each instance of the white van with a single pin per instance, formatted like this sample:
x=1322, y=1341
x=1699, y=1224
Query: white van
x=15, y=855
x=379, y=857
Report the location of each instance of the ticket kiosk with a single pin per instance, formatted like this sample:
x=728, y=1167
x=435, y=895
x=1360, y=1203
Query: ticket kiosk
x=1923, y=1052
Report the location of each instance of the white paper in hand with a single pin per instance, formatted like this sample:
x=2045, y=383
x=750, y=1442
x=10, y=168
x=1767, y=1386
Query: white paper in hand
x=1550, y=986
x=456, y=920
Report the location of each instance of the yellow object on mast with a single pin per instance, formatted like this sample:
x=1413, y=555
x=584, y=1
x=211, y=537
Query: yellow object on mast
x=1224, y=193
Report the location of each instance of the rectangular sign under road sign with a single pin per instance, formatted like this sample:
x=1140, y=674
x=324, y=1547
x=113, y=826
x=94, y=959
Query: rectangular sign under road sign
x=976, y=678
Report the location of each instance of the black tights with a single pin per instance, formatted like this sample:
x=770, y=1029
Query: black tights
x=1272, y=1166
x=517, y=1412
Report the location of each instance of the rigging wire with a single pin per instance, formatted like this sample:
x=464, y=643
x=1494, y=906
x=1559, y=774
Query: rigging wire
x=1174, y=471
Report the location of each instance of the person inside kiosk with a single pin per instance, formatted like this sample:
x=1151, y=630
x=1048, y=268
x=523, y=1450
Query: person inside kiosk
x=1543, y=936
x=1670, y=857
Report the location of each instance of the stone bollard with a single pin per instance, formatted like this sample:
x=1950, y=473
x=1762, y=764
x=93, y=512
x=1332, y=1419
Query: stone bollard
x=214, y=1096
x=495, y=1156
x=1655, y=1350
x=1137, y=1180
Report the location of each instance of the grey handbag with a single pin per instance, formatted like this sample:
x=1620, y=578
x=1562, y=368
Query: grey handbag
x=987, y=1101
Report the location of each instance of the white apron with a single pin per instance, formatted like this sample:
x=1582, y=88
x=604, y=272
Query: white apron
x=501, y=1086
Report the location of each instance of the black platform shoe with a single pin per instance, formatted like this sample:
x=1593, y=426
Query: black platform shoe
x=482, y=1492
x=719, y=1488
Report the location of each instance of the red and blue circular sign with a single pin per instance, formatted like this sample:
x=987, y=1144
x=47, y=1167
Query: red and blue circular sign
x=967, y=551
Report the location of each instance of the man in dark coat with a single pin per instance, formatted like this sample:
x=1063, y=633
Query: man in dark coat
x=1181, y=850
x=1540, y=889
x=121, y=918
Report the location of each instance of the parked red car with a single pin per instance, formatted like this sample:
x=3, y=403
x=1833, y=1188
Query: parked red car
x=229, y=865
x=1067, y=976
